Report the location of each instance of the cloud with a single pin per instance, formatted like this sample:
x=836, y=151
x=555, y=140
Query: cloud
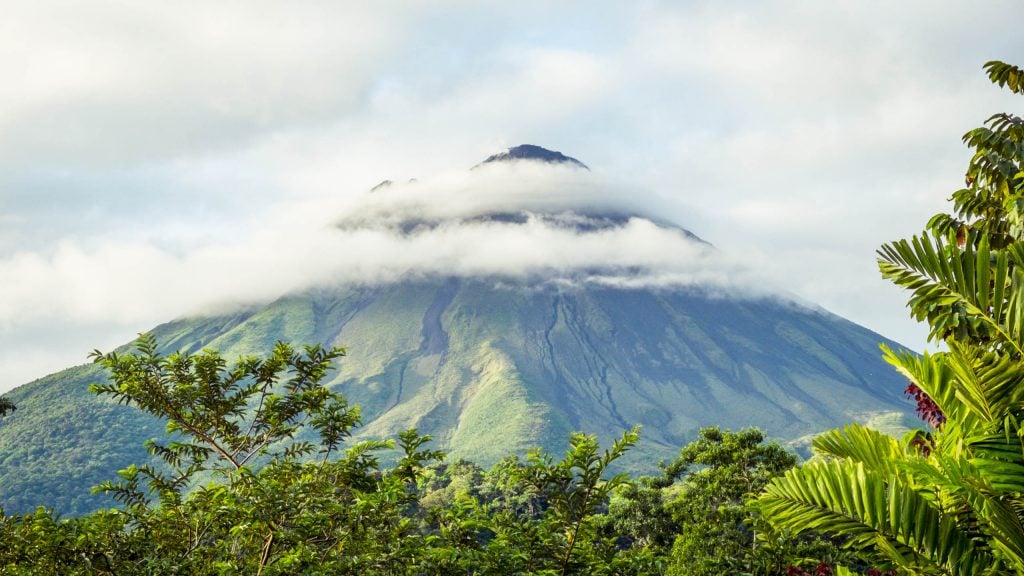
x=490, y=188
x=560, y=234
x=114, y=84
x=186, y=142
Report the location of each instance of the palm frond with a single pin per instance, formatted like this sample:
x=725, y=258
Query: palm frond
x=965, y=292
x=877, y=451
x=873, y=510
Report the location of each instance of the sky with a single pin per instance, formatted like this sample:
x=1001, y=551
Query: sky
x=167, y=159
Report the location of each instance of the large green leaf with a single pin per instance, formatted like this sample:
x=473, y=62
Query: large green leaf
x=877, y=451
x=875, y=510
x=964, y=292
x=933, y=374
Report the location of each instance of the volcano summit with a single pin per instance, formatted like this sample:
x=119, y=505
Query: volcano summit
x=536, y=153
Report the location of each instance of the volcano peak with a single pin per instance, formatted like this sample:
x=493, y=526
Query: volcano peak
x=536, y=153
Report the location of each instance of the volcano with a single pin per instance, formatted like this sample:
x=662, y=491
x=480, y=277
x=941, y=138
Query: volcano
x=553, y=312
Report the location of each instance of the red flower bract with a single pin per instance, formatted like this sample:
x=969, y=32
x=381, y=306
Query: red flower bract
x=927, y=409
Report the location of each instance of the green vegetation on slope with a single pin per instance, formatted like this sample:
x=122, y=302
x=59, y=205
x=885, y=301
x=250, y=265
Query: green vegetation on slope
x=453, y=357
x=63, y=440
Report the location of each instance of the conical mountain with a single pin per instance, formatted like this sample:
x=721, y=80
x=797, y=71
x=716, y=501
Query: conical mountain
x=515, y=319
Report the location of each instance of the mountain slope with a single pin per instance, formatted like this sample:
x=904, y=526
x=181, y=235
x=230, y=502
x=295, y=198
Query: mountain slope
x=490, y=370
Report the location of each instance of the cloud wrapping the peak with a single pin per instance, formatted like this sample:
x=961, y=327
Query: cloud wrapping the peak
x=559, y=234
x=490, y=188
x=544, y=249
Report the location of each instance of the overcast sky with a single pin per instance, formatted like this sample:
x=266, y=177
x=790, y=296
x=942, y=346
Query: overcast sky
x=162, y=158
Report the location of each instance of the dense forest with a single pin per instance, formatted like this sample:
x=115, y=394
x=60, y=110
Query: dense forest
x=236, y=493
x=258, y=476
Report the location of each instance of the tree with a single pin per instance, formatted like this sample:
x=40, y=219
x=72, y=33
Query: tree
x=716, y=531
x=547, y=520
x=541, y=516
x=575, y=488
x=715, y=536
x=243, y=486
x=950, y=499
x=6, y=407
x=234, y=416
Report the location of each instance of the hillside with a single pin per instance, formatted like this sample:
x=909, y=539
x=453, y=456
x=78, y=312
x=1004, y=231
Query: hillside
x=490, y=370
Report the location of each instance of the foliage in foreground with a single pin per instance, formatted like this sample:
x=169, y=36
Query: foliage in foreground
x=948, y=500
x=256, y=479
